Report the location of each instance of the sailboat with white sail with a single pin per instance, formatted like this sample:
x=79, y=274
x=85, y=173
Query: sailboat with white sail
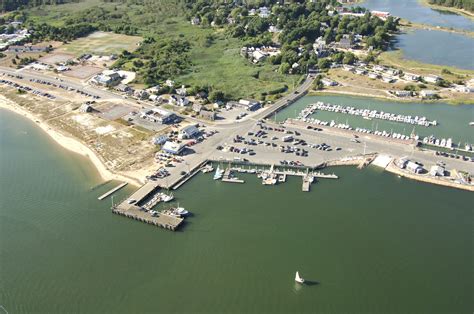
x=219, y=173
x=298, y=279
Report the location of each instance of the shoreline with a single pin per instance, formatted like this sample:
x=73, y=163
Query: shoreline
x=459, y=11
x=391, y=168
x=72, y=144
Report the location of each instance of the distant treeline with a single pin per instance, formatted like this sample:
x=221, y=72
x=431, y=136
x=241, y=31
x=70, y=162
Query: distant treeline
x=10, y=5
x=461, y=4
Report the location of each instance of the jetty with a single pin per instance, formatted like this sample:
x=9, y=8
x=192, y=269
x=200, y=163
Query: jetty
x=115, y=189
x=131, y=207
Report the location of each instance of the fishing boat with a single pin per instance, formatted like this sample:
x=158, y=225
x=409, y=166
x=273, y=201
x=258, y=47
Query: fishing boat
x=218, y=174
x=180, y=211
x=298, y=279
x=207, y=168
x=167, y=197
x=269, y=181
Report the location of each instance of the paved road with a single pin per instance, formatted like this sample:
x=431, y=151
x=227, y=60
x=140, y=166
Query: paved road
x=227, y=132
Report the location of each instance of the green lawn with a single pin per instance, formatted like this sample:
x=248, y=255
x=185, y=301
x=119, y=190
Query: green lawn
x=102, y=43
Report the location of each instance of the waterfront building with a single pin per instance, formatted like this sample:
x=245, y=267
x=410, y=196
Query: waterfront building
x=437, y=171
x=250, y=105
x=432, y=79
x=327, y=82
x=189, y=131
x=414, y=167
x=428, y=93
x=173, y=148
x=160, y=139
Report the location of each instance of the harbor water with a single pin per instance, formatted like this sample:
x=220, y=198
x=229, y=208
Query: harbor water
x=415, y=11
x=453, y=121
x=449, y=49
x=368, y=242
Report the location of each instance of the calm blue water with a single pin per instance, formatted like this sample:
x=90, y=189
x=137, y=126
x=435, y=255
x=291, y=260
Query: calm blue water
x=416, y=12
x=367, y=243
x=438, y=47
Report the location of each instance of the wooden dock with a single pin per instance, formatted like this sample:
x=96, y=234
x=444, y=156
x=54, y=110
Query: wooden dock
x=227, y=177
x=115, y=189
x=164, y=221
x=131, y=208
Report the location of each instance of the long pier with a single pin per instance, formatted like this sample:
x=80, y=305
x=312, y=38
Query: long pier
x=131, y=208
x=115, y=189
x=164, y=221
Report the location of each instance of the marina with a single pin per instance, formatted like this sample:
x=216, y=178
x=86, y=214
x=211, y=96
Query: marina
x=367, y=114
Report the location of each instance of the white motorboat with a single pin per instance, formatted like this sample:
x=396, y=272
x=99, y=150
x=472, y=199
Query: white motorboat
x=166, y=197
x=298, y=279
x=180, y=211
x=471, y=123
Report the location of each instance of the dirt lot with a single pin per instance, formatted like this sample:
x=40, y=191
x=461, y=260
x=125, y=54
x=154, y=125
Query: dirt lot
x=83, y=71
x=56, y=57
x=101, y=43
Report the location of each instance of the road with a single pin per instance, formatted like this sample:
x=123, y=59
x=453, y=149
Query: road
x=265, y=154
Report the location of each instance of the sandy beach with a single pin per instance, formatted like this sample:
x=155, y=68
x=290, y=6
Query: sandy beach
x=70, y=143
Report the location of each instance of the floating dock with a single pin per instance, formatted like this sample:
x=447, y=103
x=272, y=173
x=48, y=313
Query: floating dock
x=307, y=180
x=115, y=189
x=227, y=177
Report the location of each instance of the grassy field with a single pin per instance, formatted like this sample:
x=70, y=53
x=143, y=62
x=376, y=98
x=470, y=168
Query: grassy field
x=218, y=65
x=102, y=43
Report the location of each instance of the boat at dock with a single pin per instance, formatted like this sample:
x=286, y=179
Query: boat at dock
x=166, y=197
x=299, y=279
x=281, y=178
x=176, y=212
x=207, y=168
x=366, y=114
x=218, y=174
x=269, y=181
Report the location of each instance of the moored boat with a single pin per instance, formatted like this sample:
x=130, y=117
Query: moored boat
x=218, y=174
x=298, y=279
x=167, y=197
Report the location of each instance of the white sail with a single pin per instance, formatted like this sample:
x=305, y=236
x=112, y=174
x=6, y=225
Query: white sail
x=298, y=278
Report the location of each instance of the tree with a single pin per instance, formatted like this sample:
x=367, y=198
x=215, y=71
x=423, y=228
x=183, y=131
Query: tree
x=216, y=95
x=285, y=68
x=324, y=63
x=349, y=58
x=318, y=84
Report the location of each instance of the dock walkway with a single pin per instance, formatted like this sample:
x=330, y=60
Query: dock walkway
x=162, y=220
x=131, y=208
x=115, y=189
